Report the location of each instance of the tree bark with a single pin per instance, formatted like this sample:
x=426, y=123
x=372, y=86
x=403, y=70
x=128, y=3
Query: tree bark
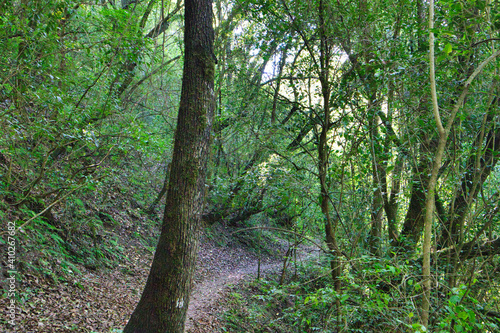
x=414, y=219
x=391, y=201
x=431, y=189
x=378, y=173
x=323, y=151
x=164, y=302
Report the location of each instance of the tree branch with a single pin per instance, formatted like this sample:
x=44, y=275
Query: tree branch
x=165, y=23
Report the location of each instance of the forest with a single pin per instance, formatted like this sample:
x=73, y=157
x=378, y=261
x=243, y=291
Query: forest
x=250, y=166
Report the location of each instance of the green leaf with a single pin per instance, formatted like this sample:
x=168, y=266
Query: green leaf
x=463, y=315
x=454, y=299
x=448, y=48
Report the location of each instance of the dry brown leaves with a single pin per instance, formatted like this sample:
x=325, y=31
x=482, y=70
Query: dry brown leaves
x=102, y=301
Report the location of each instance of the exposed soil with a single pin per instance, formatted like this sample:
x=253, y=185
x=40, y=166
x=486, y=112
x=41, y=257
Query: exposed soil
x=102, y=301
x=225, y=267
x=230, y=266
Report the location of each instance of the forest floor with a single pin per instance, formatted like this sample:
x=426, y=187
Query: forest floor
x=103, y=300
x=218, y=269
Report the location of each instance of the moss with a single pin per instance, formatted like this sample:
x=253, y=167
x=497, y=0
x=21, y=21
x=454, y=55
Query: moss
x=190, y=173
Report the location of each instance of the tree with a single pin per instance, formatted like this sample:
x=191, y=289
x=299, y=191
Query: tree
x=443, y=136
x=164, y=302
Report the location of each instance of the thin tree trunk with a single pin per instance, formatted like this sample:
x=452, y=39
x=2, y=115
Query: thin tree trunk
x=278, y=83
x=162, y=191
x=378, y=173
x=429, y=202
x=164, y=302
x=443, y=135
x=391, y=202
x=323, y=153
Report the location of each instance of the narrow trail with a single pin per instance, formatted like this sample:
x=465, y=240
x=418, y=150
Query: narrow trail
x=217, y=269
x=103, y=300
x=228, y=266
x=207, y=294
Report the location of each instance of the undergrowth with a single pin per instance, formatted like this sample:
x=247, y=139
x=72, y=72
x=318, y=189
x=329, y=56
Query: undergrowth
x=90, y=229
x=378, y=295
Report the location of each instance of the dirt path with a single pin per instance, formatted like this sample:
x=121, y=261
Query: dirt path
x=206, y=296
x=227, y=266
x=218, y=268
x=102, y=301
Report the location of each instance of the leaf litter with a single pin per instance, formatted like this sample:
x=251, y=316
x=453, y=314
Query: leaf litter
x=103, y=300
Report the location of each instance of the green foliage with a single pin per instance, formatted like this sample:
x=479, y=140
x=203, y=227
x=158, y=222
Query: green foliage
x=461, y=316
x=378, y=295
x=70, y=141
x=88, y=107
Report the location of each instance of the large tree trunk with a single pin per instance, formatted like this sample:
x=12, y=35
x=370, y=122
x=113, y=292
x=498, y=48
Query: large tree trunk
x=413, y=225
x=414, y=220
x=165, y=299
